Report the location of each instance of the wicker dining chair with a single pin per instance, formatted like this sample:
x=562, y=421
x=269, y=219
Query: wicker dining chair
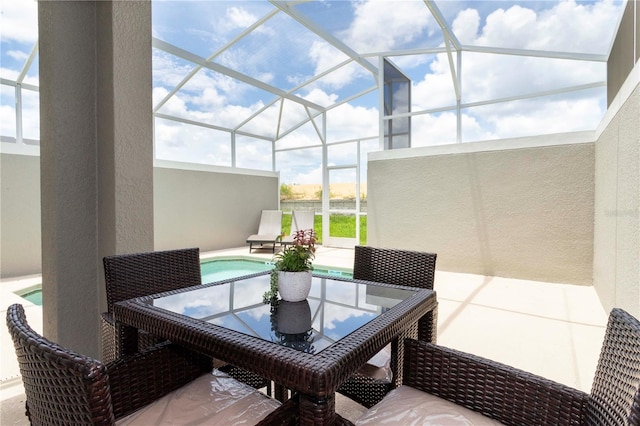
x=398, y=267
x=140, y=274
x=63, y=387
x=452, y=382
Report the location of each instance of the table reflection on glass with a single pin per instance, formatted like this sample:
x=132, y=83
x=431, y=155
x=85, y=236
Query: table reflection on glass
x=310, y=347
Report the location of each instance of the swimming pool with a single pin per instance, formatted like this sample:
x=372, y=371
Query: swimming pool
x=33, y=296
x=216, y=270
x=224, y=269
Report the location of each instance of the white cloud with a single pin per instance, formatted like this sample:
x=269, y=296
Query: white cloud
x=19, y=21
x=466, y=25
x=488, y=76
x=384, y=25
x=240, y=18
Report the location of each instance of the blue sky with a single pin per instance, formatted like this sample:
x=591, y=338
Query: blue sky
x=282, y=53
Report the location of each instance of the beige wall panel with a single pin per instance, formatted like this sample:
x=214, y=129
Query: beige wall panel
x=617, y=226
x=209, y=210
x=523, y=213
x=20, y=249
x=605, y=234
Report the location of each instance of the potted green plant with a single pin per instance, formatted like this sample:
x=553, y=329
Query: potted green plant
x=291, y=275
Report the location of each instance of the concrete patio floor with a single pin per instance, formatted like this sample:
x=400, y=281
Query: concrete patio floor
x=554, y=330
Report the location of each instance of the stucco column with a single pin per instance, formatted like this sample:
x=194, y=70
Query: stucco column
x=96, y=155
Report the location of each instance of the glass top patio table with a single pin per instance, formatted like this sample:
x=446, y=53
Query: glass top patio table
x=333, y=309
x=310, y=348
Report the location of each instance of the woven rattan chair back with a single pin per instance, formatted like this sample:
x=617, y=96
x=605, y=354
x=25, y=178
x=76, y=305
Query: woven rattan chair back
x=615, y=394
x=398, y=267
x=140, y=274
x=394, y=266
x=81, y=383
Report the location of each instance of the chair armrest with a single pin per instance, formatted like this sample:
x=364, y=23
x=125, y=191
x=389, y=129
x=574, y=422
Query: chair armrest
x=140, y=379
x=504, y=393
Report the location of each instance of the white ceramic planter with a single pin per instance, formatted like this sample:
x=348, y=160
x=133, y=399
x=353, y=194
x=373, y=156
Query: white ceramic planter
x=294, y=286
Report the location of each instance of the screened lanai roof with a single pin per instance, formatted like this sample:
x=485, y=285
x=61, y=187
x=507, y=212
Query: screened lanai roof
x=232, y=80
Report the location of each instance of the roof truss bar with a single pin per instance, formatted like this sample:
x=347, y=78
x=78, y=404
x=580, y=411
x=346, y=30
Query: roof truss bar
x=322, y=74
x=317, y=77
x=444, y=26
x=295, y=148
x=315, y=126
x=285, y=7
x=222, y=49
x=23, y=85
x=538, y=94
x=27, y=65
x=210, y=126
x=449, y=40
x=405, y=52
x=279, y=125
x=302, y=123
x=352, y=97
x=496, y=101
x=337, y=104
x=537, y=53
x=174, y=50
x=591, y=57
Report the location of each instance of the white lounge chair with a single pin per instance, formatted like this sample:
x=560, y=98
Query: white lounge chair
x=269, y=230
x=300, y=220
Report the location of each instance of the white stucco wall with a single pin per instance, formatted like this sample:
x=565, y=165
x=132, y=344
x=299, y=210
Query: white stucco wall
x=20, y=233
x=209, y=207
x=617, y=201
x=492, y=208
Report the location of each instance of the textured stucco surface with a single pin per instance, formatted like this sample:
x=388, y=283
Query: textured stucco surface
x=96, y=155
x=522, y=213
x=617, y=209
x=207, y=209
x=20, y=249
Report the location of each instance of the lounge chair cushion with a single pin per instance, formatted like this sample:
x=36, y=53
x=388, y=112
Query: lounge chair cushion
x=408, y=406
x=215, y=399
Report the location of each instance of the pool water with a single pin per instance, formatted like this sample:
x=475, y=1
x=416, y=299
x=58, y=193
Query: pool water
x=223, y=269
x=34, y=296
x=218, y=270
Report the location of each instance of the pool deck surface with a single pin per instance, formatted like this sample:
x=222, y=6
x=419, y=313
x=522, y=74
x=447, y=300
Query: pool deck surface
x=551, y=329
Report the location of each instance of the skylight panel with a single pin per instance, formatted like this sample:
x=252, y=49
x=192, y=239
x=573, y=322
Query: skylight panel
x=381, y=26
x=558, y=26
x=264, y=123
x=216, y=99
x=294, y=115
x=489, y=76
x=338, y=85
x=281, y=53
x=204, y=27
x=168, y=72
